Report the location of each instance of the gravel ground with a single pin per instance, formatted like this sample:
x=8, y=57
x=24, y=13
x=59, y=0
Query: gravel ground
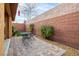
x=70, y=51
x=33, y=47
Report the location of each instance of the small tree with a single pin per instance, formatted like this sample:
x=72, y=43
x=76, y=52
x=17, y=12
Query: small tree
x=28, y=9
x=31, y=28
x=47, y=31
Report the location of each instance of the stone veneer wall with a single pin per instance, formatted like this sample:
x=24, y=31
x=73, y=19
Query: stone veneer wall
x=65, y=19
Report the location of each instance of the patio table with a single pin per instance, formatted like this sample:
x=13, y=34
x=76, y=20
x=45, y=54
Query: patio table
x=26, y=35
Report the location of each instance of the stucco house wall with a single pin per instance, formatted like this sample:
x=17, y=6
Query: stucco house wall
x=7, y=14
x=1, y=29
x=10, y=12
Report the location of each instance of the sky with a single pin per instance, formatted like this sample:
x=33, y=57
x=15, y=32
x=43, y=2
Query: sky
x=40, y=8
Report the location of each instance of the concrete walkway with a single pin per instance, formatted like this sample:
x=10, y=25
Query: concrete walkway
x=33, y=47
x=6, y=46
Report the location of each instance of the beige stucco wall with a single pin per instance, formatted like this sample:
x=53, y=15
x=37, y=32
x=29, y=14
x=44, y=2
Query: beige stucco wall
x=10, y=27
x=5, y=21
x=1, y=28
x=10, y=12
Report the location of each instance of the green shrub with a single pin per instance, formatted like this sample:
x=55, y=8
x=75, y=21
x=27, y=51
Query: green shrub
x=31, y=27
x=47, y=31
x=15, y=32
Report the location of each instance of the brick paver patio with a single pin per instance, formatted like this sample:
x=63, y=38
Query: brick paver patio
x=33, y=47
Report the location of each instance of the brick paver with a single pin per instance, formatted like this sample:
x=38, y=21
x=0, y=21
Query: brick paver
x=33, y=47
